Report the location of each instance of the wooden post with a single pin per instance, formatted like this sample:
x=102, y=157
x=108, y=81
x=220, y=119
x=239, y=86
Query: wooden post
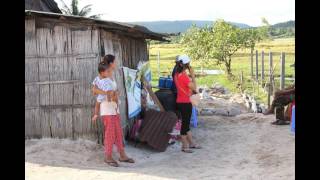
x=270, y=88
x=262, y=66
x=269, y=94
x=270, y=65
x=241, y=81
x=158, y=64
x=282, y=73
x=257, y=72
x=251, y=63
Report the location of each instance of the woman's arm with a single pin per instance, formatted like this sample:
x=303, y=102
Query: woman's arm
x=96, y=90
x=192, y=85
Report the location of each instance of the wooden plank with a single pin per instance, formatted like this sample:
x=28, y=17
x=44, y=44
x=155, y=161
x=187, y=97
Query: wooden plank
x=48, y=57
x=84, y=41
x=59, y=69
x=61, y=41
x=45, y=122
x=262, y=65
x=31, y=70
x=44, y=41
x=64, y=106
x=60, y=94
x=32, y=95
x=44, y=73
x=251, y=58
x=32, y=123
x=270, y=79
x=83, y=125
x=52, y=82
x=257, y=66
x=282, y=71
x=44, y=95
x=153, y=96
x=61, y=123
x=30, y=37
x=85, y=71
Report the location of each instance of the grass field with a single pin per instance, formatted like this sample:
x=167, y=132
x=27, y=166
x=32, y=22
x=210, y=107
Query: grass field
x=240, y=62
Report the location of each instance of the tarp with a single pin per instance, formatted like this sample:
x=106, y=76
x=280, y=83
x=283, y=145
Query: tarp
x=144, y=70
x=133, y=90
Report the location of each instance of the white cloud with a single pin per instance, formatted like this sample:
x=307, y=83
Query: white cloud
x=243, y=11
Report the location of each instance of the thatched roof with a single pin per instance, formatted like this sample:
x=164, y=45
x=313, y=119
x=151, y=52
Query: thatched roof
x=42, y=5
x=113, y=26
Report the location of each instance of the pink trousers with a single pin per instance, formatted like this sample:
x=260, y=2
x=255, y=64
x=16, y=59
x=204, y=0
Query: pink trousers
x=112, y=133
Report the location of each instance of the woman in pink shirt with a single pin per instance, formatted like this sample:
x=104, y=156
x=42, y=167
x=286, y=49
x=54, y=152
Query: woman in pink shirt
x=185, y=88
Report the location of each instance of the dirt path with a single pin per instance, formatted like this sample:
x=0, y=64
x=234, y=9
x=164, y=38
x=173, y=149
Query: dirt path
x=242, y=147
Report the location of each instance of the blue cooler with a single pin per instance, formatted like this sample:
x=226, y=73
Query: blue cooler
x=169, y=83
x=162, y=82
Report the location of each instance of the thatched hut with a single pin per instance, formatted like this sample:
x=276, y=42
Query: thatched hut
x=61, y=57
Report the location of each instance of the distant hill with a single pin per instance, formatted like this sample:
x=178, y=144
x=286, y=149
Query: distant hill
x=178, y=26
x=285, y=29
x=288, y=24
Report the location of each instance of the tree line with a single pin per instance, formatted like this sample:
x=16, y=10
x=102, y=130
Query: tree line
x=220, y=41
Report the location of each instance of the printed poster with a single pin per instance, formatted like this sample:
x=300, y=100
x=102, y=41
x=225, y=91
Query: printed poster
x=133, y=90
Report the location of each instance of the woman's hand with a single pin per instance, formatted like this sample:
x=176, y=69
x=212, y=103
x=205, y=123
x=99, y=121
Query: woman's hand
x=114, y=96
x=94, y=118
x=191, y=72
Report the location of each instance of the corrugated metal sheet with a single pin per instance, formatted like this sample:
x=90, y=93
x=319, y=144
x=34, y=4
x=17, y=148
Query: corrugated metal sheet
x=155, y=128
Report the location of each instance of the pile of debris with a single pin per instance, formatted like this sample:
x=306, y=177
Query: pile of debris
x=217, y=100
x=253, y=105
x=215, y=89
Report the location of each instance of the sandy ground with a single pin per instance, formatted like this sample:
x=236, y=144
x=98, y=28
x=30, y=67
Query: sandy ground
x=243, y=147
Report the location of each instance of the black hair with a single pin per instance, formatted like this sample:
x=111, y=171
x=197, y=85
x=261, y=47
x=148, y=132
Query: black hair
x=108, y=59
x=102, y=66
x=181, y=67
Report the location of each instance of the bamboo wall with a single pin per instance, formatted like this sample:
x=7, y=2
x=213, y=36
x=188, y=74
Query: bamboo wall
x=61, y=61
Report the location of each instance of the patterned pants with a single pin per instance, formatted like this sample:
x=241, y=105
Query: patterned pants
x=112, y=133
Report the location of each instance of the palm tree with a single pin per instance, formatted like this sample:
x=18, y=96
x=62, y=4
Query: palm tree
x=73, y=9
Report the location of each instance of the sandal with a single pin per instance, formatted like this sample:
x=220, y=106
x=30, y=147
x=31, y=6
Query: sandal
x=187, y=150
x=129, y=160
x=280, y=122
x=112, y=163
x=195, y=147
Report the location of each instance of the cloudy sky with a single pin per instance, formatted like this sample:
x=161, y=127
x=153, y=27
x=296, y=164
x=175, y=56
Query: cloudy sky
x=242, y=11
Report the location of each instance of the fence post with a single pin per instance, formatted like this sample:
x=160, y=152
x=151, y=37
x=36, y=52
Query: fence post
x=262, y=66
x=270, y=78
x=282, y=73
x=158, y=64
x=241, y=81
x=257, y=72
x=251, y=63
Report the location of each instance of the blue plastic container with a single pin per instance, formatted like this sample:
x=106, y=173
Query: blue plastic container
x=293, y=119
x=162, y=82
x=194, y=117
x=169, y=83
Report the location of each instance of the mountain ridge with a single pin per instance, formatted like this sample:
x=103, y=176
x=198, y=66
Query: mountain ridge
x=179, y=26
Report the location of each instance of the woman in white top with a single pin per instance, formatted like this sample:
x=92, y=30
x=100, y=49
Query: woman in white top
x=107, y=102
